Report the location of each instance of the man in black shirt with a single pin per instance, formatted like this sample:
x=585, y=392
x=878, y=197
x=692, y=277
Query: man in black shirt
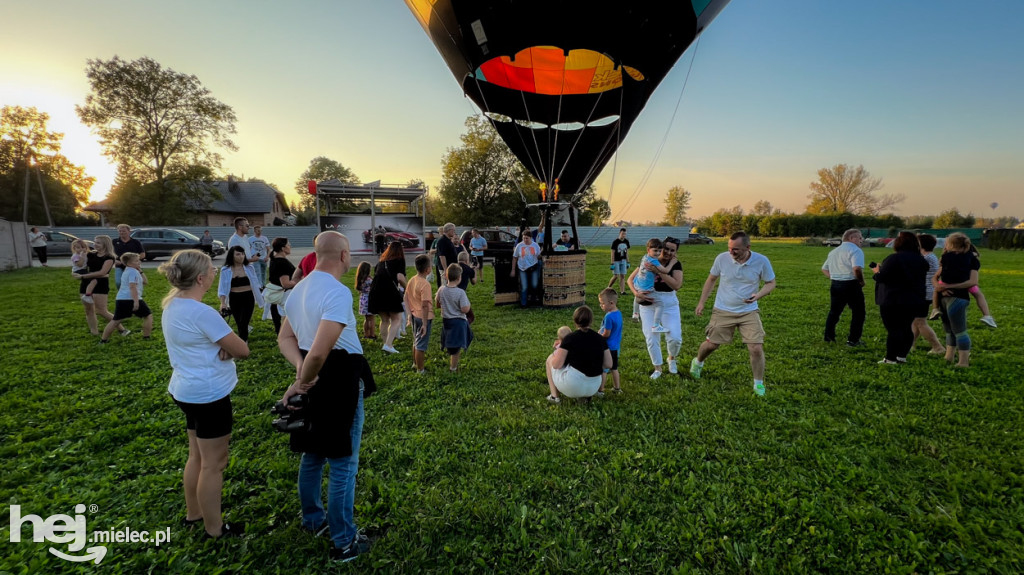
x=123, y=243
x=620, y=260
x=569, y=242
x=446, y=247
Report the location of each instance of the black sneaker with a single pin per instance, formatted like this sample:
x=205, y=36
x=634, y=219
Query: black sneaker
x=229, y=530
x=855, y=344
x=359, y=545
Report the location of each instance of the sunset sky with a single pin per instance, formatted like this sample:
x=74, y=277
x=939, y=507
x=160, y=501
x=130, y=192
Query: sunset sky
x=929, y=96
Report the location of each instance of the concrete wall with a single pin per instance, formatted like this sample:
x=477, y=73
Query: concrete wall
x=15, y=252
x=302, y=236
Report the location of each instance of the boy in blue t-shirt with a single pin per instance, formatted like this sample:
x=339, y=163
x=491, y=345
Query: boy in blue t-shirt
x=611, y=330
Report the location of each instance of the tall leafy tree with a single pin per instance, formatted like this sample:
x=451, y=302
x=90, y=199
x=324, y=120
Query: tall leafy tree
x=320, y=168
x=952, y=218
x=25, y=144
x=847, y=189
x=157, y=124
x=763, y=208
x=677, y=202
x=481, y=180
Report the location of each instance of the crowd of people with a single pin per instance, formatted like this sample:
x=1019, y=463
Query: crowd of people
x=314, y=315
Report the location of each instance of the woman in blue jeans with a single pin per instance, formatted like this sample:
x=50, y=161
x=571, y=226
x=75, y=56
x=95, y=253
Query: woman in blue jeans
x=958, y=272
x=526, y=257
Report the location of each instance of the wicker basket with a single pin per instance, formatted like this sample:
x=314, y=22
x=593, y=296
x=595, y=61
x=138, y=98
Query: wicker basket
x=505, y=298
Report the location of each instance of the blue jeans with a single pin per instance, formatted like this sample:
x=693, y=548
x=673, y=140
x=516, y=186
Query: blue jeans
x=260, y=267
x=531, y=277
x=341, y=487
x=954, y=322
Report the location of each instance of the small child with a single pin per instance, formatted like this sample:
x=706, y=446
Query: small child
x=419, y=301
x=644, y=280
x=363, y=283
x=454, y=304
x=129, y=298
x=79, y=265
x=468, y=273
x=562, y=333
x=611, y=331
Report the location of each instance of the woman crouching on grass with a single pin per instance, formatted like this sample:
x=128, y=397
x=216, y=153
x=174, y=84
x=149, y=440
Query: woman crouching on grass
x=201, y=348
x=575, y=367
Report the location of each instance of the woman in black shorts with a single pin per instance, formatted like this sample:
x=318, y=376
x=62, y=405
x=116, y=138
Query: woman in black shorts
x=99, y=263
x=201, y=348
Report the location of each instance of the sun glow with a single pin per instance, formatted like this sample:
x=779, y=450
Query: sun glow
x=79, y=145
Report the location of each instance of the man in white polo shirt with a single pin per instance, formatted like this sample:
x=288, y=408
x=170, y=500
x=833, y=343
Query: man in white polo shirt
x=739, y=273
x=319, y=339
x=845, y=267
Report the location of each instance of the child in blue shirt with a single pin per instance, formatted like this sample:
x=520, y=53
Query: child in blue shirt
x=611, y=330
x=644, y=278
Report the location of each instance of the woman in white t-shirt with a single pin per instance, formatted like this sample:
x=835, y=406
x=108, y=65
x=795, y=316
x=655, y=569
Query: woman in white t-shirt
x=201, y=348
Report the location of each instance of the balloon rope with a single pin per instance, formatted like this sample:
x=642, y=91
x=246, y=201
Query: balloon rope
x=661, y=146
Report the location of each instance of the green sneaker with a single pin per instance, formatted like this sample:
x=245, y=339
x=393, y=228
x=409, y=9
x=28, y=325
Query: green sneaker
x=759, y=388
x=695, y=368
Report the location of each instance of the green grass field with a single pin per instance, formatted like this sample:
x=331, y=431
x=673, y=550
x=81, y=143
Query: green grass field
x=845, y=466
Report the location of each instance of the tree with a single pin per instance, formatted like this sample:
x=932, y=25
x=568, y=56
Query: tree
x=952, y=218
x=763, y=208
x=157, y=124
x=481, y=180
x=677, y=202
x=844, y=189
x=26, y=144
x=320, y=168
x=131, y=200
x=599, y=210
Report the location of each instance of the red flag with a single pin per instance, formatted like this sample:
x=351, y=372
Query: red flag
x=311, y=184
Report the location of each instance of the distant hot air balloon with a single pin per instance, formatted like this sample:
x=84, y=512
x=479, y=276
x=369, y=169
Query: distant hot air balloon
x=562, y=81
x=994, y=205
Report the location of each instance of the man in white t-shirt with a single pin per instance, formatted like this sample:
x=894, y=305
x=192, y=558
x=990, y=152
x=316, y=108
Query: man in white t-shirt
x=37, y=240
x=526, y=260
x=260, y=252
x=239, y=238
x=319, y=338
x=739, y=273
x=845, y=267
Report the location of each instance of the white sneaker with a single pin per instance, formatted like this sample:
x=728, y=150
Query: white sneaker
x=989, y=321
x=672, y=368
x=389, y=349
x=658, y=328
x=656, y=375
x=636, y=317
x=126, y=332
x=88, y=299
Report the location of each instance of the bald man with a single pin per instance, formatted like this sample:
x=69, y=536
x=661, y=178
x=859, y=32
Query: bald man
x=319, y=338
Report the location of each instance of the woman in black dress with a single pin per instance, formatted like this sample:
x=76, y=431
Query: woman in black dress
x=386, y=293
x=281, y=270
x=899, y=289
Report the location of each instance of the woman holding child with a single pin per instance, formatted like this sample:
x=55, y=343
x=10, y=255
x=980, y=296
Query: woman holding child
x=98, y=265
x=574, y=369
x=664, y=303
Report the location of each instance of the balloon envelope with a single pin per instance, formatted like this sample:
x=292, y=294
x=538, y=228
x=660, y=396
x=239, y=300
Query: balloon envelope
x=562, y=81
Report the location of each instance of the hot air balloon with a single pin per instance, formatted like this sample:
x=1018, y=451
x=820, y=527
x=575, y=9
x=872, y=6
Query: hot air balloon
x=562, y=81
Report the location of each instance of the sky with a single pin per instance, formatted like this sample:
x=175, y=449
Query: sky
x=928, y=96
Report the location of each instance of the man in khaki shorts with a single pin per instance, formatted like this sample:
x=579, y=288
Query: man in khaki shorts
x=739, y=273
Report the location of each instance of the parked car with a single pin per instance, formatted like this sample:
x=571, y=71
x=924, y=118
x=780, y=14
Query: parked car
x=698, y=239
x=877, y=242
x=58, y=244
x=163, y=242
x=832, y=242
x=497, y=239
x=408, y=240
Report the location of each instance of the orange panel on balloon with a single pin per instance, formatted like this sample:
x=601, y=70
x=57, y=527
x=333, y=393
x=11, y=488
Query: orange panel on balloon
x=547, y=70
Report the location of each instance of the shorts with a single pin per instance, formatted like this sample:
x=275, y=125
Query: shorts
x=570, y=382
x=620, y=268
x=102, y=286
x=615, y=359
x=478, y=261
x=123, y=309
x=208, y=420
x=922, y=309
x=420, y=343
x=723, y=326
